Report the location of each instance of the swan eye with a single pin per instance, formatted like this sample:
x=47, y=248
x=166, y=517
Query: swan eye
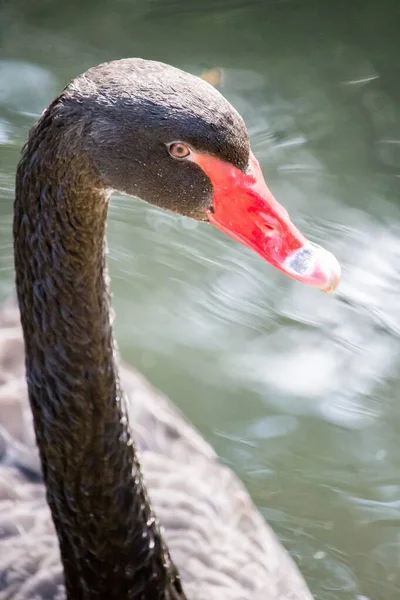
x=179, y=150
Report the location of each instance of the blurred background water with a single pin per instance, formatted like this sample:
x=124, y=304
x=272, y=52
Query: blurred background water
x=297, y=391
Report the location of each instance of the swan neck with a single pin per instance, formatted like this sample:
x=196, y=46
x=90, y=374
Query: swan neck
x=110, y=543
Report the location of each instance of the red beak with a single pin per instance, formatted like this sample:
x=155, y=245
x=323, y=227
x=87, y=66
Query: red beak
x=245, y=209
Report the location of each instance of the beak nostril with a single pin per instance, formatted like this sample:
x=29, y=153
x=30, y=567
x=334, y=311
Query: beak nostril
x=268, y=228
x=266, y=223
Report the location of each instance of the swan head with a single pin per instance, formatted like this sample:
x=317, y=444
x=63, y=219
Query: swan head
x=171, y=139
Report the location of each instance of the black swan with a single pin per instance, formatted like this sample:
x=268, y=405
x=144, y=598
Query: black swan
x=151, y=131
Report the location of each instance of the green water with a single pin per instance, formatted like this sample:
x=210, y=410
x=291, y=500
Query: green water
x=297, y=391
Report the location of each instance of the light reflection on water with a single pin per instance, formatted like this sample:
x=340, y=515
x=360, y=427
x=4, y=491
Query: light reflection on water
x=297, y=391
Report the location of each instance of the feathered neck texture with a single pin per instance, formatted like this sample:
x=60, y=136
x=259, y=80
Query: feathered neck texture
x=111, y=546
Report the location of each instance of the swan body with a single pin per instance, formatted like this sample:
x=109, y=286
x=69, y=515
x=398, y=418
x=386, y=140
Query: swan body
x=217, y=538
